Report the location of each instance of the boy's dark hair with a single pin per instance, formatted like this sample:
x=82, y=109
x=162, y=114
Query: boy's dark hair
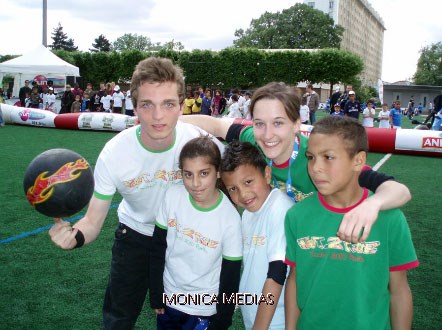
x=234, y=97
x=348, y=129
x=202, y=146
x=239, y=153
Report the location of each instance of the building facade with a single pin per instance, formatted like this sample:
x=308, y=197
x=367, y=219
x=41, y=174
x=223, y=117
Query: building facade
x=363, y=32
x=403, y=91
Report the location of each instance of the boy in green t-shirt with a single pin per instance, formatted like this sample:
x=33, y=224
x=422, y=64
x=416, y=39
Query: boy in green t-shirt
x=334, y=284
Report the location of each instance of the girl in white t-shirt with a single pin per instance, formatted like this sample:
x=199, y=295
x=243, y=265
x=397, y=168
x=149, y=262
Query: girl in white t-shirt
x=368, y=115
x=234, y=111
x=384, y=116
x=196, y=246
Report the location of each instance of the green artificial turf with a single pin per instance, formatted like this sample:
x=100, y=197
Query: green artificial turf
x=44, y=287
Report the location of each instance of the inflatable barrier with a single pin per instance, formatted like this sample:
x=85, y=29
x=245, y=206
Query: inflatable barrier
x=401, y=141
x=396, y=141
x=97, y=121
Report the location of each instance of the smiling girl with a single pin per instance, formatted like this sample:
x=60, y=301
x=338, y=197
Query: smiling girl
x=196, y=245
x=275, y=131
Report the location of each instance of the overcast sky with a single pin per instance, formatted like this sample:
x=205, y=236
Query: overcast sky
x=205, y=24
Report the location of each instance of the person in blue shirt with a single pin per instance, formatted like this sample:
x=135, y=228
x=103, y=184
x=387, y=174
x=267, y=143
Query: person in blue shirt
x=437, y=121
x=206, y=103
x=337, y=111
x=352, y=107
x=396, y=115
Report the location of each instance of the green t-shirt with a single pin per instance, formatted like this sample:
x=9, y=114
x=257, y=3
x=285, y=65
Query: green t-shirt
x=339, y=283
x=301, y=182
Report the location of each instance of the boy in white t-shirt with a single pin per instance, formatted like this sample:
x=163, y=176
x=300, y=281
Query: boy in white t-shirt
x=106, y=102
x=247, y=177
x=384, y=116
x=304, y=110
x=368, y=115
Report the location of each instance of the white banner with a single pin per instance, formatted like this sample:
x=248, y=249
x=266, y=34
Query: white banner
x=420, y=140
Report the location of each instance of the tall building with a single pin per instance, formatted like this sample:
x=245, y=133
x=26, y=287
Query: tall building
x=363, y=34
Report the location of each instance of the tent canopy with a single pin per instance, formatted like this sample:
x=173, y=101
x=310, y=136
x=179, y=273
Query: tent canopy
x=39, y=61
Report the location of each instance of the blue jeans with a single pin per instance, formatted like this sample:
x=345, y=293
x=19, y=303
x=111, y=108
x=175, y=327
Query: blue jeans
x=312, y=116
x=173, y=319
x=128, y=280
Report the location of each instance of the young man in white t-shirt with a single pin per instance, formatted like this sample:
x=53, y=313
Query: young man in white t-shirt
x=368, y=115
x=140, y=163
x=384, y=116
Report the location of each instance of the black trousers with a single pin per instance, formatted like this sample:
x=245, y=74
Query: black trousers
x=128, y=280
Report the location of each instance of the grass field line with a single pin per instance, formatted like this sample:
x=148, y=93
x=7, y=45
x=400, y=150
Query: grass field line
x=381, y=162
x=41, y=229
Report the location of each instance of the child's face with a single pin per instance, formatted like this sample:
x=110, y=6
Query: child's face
x=330, y=166
x=369, y=105
x=199, y=178
x=77, y=98
x=248, y=186
x=385, y=107
x=337, y=109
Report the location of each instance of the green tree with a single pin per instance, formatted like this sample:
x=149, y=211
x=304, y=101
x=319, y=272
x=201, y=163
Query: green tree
x=4, y=58
x=61, y=40
x=130, y=41
x=101, y=44
x=429, y=66
x=298, y=27
x=173, y=45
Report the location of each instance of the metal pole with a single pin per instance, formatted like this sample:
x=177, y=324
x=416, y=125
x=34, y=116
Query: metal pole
x=45, y=22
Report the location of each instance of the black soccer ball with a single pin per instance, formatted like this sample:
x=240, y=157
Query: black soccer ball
x=58, y=183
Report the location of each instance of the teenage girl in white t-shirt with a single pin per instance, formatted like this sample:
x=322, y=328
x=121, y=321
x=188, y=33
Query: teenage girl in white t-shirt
x=196, y=246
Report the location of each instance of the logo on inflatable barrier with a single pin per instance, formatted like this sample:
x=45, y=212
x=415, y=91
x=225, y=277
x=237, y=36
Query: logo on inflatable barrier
x=432, y=142
x=31, y=115
x=107, y=121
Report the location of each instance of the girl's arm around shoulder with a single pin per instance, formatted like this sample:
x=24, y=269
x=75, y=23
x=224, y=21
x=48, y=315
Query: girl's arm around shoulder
x=389, y=194
x=215, y=126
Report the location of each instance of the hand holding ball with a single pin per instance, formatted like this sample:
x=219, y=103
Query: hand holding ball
x=58, y=183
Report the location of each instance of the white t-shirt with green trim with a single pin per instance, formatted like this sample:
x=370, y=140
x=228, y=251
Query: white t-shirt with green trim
x=264, y=241
x=140, y=175
x=197, y=241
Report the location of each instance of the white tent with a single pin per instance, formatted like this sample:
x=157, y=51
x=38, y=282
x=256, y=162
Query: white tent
x=40, y=61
